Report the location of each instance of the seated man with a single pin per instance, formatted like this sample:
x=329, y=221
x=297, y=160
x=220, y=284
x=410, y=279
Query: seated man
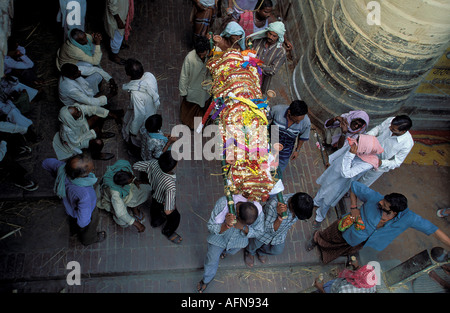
x=74, y=185
x=119, y=189
x=74, y=88
x=18, y=64
x=15, y=122
x=230, y=233
x=299, y=207
x=77, y=132
x=80, y=47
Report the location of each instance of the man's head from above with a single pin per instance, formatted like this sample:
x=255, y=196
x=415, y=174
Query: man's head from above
x=302, y=205
x=392, y=204
x=297, y=111
x=70, y=70
x=122, y=178
x=134, y=69
x=246, y=212
x=79, y=36
x=202, y=47
x=166, y=162
x=80, y=165
x=153, y=123
x=75, y=111
x=400, y=125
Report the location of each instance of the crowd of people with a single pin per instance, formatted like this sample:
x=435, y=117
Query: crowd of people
x=360, y=155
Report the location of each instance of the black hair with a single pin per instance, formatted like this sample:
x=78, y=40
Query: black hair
x=153, y=123
x=303, y=205
x=122, y=178
x=134, y=69
x=167, y=162
x=74, y=168
x=69, y=69
x=403, y=122
x=201, y=44
x=264, y=4
x=12, y=44
x=76, y=33
x=248, y=212
x=298, y=108
x=397, y=201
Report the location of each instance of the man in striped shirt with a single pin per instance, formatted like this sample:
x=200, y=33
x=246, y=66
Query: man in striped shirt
x=293, y=125
x=162, y=181
x=271, y=242
x=270, y=50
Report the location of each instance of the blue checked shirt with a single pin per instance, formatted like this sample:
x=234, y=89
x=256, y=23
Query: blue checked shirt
x=270, y=235
x=232, y=238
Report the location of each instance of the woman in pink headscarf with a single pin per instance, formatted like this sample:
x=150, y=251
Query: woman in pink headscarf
x=348, y=125
x=349, y=163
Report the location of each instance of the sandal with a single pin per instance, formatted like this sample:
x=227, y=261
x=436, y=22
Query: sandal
x=201, y=286
x=140, y=217
x=101, y=236
x=175, y=238
x=312, y=244
x=118, y=60
x=441, y=213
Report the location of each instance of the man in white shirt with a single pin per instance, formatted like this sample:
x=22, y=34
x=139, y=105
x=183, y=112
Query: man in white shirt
x=393, y=135
x=144, y=102
x=73, y=88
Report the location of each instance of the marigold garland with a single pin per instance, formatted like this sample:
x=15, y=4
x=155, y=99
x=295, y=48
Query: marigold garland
x=240, y=111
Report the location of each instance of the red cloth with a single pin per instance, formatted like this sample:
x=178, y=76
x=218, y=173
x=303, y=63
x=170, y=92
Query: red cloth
x=364, y=277
x=246, y=22
x=130, y=16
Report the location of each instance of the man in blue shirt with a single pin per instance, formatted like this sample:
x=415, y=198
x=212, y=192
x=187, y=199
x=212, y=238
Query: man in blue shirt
x=74, y=185
x=384, y=218
x=293, y=125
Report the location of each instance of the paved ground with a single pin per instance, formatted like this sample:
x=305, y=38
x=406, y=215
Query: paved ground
x=34, y=258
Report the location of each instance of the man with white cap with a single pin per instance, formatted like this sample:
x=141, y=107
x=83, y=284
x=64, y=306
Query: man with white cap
x=268, y=45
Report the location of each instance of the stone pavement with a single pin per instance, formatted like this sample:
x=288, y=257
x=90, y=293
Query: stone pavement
x=34, y=259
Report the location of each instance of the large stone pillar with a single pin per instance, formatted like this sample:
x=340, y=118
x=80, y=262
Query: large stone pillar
x=6, y=15
x=351, y=65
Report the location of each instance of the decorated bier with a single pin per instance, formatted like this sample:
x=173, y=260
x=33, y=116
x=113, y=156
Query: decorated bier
x=241, y=115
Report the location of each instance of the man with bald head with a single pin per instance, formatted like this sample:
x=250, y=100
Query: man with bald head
x=74, y=185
